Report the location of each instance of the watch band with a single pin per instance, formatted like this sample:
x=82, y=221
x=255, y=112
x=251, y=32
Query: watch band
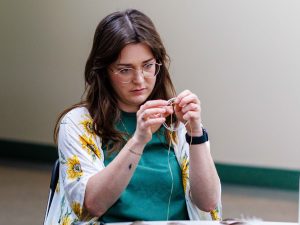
x=196, y=140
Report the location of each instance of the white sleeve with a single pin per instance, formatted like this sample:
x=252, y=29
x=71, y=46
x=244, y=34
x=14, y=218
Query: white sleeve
x=80, y=157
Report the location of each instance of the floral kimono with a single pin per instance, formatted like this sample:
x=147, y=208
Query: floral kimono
x=81, y=156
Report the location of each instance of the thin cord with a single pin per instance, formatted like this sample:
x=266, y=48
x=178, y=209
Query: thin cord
x=191, y=136
x=171, y=129
x=171, y=179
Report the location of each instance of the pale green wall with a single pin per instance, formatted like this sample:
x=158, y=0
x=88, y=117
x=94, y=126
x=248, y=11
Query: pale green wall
x=241, y=57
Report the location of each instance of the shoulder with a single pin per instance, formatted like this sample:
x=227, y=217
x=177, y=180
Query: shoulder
x=76, y=115
x=78, y=120
x=77, y=126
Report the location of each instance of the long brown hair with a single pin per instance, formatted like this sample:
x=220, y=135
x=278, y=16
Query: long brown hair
x=112, y=34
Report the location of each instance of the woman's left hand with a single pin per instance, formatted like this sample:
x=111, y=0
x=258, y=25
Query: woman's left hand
x=187, y=108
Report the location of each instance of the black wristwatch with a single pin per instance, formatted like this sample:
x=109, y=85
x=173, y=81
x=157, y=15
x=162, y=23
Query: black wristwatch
x=194, y=140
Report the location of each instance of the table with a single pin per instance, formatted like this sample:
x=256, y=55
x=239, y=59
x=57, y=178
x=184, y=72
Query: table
x=199, y=223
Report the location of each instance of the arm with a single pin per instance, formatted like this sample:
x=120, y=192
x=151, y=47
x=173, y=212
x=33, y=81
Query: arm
x=105, y=187
x=89, y=186
x=204, y=180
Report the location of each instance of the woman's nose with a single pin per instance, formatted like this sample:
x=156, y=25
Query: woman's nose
x=139, y=76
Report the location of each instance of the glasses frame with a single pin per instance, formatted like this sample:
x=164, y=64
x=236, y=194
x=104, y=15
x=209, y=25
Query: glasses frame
x=117, y=73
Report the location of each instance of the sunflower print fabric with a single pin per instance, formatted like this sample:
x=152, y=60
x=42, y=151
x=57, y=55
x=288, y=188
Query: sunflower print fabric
x=81, y=156
x=74, y=170
x=185, y=173
x=90, y=146
x=88, y=126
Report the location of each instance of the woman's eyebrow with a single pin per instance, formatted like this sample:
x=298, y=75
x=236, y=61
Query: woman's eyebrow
x=128, y=64
x=148, y=60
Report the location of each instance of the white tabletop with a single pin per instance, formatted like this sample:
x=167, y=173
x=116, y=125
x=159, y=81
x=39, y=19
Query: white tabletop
x=184, y=222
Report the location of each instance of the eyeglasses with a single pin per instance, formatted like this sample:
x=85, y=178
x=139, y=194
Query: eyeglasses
x=149, y=70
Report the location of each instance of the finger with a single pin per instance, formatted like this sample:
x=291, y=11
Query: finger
x=154, y=104
x=190, y=115
x=151, y=104
x=191, y=98
x=191, y=107
x=154, y=121
x=169, y=110
x=181, y=96
x=152, y=113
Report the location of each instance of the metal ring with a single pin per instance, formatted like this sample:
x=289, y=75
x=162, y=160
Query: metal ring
x=172, y=128
x=171, y=101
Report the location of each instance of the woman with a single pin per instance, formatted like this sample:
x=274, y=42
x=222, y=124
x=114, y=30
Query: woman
x=127, y=152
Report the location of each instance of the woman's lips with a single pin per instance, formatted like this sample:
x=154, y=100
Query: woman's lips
x=138, y=91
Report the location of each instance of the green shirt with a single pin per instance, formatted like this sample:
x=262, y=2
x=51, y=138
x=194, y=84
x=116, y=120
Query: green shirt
x=147, y=195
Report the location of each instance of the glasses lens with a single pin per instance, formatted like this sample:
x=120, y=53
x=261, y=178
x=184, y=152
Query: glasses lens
x=125, y=75
x=151, y=69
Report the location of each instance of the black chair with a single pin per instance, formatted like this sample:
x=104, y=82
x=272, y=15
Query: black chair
x=53, y=184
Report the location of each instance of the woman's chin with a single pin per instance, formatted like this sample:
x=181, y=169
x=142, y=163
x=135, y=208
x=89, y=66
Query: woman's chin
x=138, y=100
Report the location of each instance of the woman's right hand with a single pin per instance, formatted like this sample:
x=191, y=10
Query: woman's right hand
x=150, y=117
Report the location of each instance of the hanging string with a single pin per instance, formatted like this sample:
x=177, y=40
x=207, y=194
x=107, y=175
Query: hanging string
x=214, y=213
x=171, y=128
x=172, y=179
